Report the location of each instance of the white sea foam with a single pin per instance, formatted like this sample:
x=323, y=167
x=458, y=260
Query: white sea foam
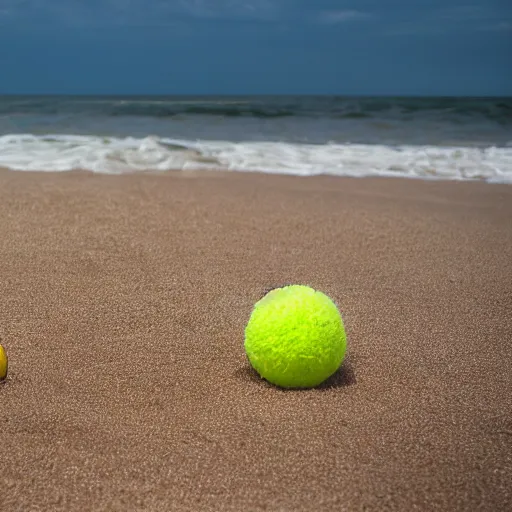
x=124, y=155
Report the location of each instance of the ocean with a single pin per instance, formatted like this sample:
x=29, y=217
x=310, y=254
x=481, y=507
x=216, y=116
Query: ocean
x=429, y=138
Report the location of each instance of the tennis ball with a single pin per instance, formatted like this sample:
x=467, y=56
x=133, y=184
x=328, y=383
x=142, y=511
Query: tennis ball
x=295, y=337
x=3, y=363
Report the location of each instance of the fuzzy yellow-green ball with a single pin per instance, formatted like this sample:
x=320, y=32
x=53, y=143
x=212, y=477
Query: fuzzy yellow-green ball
x=295, y=337
x=3, y=363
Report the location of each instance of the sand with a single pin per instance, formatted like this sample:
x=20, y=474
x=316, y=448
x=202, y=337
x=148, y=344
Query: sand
x=123, y=306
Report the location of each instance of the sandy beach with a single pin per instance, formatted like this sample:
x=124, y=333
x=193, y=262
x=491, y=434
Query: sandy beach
x=124, y=302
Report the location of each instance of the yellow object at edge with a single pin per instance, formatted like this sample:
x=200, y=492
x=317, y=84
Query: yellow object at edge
x=3, y=363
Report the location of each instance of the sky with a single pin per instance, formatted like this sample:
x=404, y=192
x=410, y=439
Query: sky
x=363, y=47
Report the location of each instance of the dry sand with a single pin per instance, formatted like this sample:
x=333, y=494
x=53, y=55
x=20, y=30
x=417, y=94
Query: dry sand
x=123, y=306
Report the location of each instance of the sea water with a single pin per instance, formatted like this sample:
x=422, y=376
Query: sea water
x=431, y=138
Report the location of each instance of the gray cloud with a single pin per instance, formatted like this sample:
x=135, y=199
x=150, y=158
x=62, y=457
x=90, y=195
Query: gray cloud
x=445, y=20
x=244, y=9
x=502, y=26
x=341, y=16
x=120, y=12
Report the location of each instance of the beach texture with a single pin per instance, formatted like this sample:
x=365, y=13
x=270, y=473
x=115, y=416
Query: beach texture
x=123, y=307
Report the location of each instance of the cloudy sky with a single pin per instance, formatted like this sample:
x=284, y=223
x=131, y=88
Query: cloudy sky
x=434, y=47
